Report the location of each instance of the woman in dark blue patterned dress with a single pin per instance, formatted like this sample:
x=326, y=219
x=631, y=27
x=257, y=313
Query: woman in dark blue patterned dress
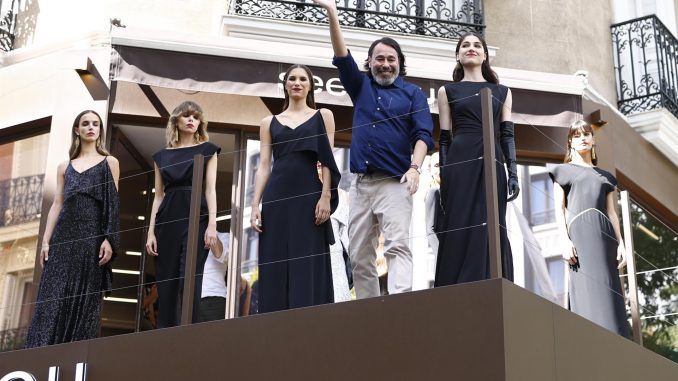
x=80, y=240
x=295, y=233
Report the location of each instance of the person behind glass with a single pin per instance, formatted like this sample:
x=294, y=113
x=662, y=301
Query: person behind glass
x=591, y=239
x=214, y=292
x=342, y=276
x=392, y=129
x=81, y=238
x=433, y=208
x=295, y=233
x=463, y=254
x=186, y=136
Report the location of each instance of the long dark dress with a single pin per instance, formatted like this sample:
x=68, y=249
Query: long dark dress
x=294, y=253
x=463, y=251
x=595, y=290
x=72, y=284
x=171, y=230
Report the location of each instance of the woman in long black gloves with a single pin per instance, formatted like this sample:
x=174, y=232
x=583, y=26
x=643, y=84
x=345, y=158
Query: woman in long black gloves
x=463, y=251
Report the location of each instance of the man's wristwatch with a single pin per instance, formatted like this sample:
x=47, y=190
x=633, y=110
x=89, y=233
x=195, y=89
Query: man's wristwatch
x=415, y=167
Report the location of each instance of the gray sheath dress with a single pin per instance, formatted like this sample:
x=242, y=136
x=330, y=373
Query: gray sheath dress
x=595, y=290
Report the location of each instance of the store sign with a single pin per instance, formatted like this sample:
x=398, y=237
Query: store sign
x=80, y=374
x=334, y=87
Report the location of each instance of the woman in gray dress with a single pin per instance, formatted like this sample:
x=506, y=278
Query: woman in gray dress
x=592, y=241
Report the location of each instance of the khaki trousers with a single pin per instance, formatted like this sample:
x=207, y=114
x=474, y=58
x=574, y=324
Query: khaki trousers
x=378, y=202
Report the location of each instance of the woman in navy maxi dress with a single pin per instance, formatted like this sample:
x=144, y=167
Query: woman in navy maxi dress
x=295, y=231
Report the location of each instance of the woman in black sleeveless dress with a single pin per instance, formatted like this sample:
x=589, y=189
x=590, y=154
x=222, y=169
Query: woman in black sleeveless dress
x=295, y=233
x=592, y=241
x=463, y=249
x=81, y=238
x=168, y=227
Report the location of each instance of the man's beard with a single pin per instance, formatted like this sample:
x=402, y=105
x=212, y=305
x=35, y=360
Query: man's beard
x=385, y=81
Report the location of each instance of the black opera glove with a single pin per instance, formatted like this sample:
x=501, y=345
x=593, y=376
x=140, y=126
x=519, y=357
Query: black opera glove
x=508, y=147
x=445, y=140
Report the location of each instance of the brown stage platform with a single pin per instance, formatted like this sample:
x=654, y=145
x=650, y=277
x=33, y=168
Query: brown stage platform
x=490, y=330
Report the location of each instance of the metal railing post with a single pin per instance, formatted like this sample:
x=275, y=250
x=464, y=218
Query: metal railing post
x=490, y=171
x=631, y=267
x=193, y=239
x=237, y=222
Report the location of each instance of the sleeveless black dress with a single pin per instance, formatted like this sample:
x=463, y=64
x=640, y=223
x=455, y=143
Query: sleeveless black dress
x=463, y=249
x=294, y=253
x=72, y=284
x=595, y=289
x=171, y=230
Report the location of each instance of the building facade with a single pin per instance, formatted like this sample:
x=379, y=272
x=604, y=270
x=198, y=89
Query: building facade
x=133, y=62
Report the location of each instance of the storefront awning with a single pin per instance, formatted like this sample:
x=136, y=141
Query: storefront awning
x=238, y=76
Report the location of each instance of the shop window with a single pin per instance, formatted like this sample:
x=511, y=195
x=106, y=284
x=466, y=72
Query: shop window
x=541, y=199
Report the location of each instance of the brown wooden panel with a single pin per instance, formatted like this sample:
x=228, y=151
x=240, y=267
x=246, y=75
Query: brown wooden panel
x=490, y=330
x=529, y=335
x=415, y=336
x=585, y=352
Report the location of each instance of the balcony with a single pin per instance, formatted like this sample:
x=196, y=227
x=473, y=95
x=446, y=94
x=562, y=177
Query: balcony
x=7, y=28
x=20, y=200
x=447, y=19
x=646, y=58
x=488, y=330
x=645, y=54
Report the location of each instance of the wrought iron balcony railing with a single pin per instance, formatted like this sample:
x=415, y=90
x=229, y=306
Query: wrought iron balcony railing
x=646, y=59
x=12, y=339
x=434, y=18
x=7, y=27
x=20, y=199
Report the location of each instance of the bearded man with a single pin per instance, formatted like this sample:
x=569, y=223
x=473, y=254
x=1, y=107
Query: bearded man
x=391, y=134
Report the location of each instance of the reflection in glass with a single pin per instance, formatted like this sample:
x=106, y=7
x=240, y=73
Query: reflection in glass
x=541, y=199
x=656, y=254
x=21, y=179
x=556, y=268
x=249, y=270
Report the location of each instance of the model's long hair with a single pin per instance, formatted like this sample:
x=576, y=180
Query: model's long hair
x=488, y=73
x=75, y=149
x=578, y=126
x=395, y=45
x=310, y=97
x=186, y=108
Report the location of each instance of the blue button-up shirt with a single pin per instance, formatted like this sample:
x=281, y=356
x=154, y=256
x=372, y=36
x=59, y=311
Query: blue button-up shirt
x=387, y=120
